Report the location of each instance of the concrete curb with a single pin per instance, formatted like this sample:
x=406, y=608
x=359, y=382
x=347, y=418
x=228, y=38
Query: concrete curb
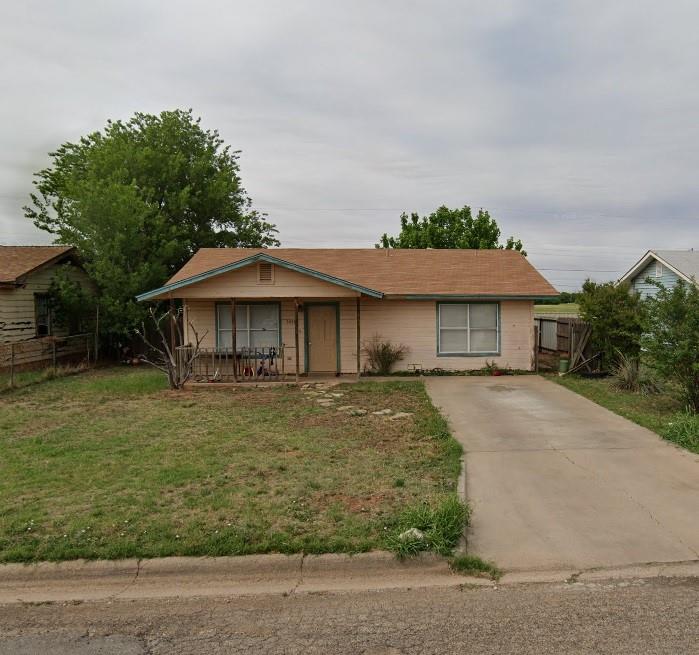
x=188, y=577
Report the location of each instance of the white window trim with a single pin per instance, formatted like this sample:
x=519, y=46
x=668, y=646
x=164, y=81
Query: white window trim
x=248, y=329
x=467, y=329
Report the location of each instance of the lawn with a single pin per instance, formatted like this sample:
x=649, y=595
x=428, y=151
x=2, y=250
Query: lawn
x=564, y=309
x=111, y=464
x=661, y=412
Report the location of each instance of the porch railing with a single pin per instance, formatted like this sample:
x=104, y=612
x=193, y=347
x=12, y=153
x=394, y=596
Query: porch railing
x=245, y=365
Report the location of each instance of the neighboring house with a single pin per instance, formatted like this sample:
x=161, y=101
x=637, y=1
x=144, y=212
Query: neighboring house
x=26, y=273
x=664, y=266
x=453, y=309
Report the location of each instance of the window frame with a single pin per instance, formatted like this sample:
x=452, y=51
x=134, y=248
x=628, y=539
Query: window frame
x=247, y=303
x=45, y=297
x=658, y=269
x=469, y=353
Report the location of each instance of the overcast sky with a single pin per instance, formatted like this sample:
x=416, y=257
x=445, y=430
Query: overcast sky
x=575, y=123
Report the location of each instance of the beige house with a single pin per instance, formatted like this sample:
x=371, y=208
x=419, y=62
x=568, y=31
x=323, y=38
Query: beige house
x=314, y=309
x=27, y=321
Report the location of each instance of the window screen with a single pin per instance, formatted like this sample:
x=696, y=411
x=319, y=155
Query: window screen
x=468, y=328
x=257, y=325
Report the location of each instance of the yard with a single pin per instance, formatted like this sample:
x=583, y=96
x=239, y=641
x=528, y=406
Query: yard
x=562, y=309
x=111, y=464
x=662, y=412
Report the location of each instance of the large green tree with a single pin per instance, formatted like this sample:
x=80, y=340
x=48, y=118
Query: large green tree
x=449, y=228
x=138, y=199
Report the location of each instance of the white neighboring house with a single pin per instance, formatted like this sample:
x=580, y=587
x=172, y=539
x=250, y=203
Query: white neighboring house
x=663, y=266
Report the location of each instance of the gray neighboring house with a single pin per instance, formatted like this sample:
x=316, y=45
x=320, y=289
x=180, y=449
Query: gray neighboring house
x=664, y=266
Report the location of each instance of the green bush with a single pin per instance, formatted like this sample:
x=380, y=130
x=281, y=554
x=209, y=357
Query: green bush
x=441, y=526
x=684, y=431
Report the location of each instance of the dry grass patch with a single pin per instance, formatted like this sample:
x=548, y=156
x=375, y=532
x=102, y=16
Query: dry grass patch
x=111, y=464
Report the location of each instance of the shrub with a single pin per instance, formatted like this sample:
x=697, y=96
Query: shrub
x=615, y=315
x=630, y=375
x=430, y=527
x=684, y=431
x=474, y=565
x=382, y=355
x=671, y=338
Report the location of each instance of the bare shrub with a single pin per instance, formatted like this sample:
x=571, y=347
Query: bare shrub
x=382, y=355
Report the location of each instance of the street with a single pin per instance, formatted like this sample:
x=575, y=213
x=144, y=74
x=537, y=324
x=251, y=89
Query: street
x=626, y=615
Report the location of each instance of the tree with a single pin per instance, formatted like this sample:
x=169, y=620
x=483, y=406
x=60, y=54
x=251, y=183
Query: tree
x=615, y=314
x=138, y=199
x=72, y=305
x=449, y=228
x=671, y=338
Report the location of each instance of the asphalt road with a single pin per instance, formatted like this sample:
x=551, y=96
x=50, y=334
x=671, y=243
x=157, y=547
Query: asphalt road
x=635, y=616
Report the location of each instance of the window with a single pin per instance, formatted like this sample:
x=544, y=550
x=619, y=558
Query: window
x=468, y=329
x=42, y=315
x=658, y=269
x=257, y=325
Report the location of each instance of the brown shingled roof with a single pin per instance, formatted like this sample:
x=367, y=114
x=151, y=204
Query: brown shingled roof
x=398, y=272
x=17, y=261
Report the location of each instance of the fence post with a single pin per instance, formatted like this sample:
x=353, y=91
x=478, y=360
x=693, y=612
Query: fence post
x=87, y=347
x=53, y=355
x=537, y=342
x=12, y=364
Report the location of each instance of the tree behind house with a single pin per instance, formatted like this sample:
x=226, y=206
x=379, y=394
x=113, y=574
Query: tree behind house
x=671, y=338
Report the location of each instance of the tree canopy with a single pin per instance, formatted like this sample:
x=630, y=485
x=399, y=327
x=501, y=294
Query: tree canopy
x=449, y=228
x=138, y=199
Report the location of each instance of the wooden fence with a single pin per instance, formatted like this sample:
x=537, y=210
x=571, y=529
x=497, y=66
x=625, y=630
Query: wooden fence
x=567, y=337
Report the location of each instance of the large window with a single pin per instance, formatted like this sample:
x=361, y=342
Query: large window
x=468, y=328
x=257, y=325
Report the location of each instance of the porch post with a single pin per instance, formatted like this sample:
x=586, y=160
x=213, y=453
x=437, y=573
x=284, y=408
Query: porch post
x=359, y=337
x=234, y=334
x=296, y=335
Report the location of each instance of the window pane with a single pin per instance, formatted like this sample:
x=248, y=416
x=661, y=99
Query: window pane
x=263, y=338
x=224, y=339
x=453, y=341
x=264, y=317
x=224, y=317
x=484, y=341
x=241, y=317
x=484, y=316
x=241, y=339
x=453, y=315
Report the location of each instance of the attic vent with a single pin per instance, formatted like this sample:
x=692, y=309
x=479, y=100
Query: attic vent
x=265, y=273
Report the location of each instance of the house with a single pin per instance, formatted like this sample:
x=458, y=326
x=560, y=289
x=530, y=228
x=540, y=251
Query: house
x=453, y=309
x=663, y=266
x=27, y=318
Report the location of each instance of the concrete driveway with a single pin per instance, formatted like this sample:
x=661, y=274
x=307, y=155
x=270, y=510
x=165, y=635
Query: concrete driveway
x=557, y=481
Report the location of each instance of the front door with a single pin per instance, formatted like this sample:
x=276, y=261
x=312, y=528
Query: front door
x=321, y=339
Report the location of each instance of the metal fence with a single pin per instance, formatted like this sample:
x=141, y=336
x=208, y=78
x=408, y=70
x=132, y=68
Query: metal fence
x=547, y=334
x=45, y=352
x=222, y=365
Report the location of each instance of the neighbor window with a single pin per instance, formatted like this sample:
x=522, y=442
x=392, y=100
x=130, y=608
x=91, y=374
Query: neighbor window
x=658, y=269
x=42, y=314
x=257, y=325
x=467, y=328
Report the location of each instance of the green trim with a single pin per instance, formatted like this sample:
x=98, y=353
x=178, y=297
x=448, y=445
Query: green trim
x=250, y=302
x=306, y=349
x=462, y=298
x=497, y=353
x=260, y=257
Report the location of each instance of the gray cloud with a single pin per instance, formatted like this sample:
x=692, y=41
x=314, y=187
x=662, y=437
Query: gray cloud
x=575, y=123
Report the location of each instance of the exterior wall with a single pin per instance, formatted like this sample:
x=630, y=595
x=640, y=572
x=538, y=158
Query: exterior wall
x=639, y=284
x=410, y=322
x=243, y=283
x=17, y=319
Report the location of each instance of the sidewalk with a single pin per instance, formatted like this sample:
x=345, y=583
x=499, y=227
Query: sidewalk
x=254, y=575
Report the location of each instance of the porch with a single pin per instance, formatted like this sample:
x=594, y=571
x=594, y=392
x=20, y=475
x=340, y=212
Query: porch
x=272, y=339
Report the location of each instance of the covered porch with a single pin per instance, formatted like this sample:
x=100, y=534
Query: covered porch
x=246, y=339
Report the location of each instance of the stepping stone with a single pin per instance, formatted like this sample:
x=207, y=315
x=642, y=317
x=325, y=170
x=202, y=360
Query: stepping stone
x=337, y=395
x=400, y=415
x=345, y=408
x=383, y=412
x=358, y=412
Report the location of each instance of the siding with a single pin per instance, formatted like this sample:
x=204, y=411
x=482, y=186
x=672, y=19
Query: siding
x=410, y=322
x=639, y=284
x=17, y=320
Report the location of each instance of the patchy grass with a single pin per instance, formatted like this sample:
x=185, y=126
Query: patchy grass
x=564, y=308
x=475, y=566
x=111, y=464
x=26, y=378
x=661, y=412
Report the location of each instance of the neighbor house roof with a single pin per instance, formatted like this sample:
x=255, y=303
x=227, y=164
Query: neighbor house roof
x=18, y=261
x=684, y=263
x=378, y=272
